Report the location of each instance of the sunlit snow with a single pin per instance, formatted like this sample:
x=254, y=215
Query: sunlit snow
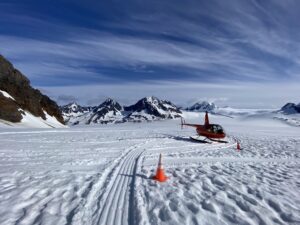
x=101, y=174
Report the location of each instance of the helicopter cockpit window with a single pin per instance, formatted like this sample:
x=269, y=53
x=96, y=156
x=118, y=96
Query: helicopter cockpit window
x=217, y=129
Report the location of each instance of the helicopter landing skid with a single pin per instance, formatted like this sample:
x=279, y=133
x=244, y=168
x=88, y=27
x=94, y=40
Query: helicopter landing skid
x=201, y=139
x=206, y=140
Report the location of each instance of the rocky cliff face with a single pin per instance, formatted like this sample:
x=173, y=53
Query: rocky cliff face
x=24, y=96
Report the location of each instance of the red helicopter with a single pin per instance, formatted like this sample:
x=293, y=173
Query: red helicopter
x=207, y=132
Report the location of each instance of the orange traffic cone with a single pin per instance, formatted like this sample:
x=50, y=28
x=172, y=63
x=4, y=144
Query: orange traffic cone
x=160, y=174
x=238, y=147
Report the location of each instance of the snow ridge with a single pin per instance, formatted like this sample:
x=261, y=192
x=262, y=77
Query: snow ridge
x=203, y=106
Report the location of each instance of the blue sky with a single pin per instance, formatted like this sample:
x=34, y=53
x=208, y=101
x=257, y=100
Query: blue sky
x=240, y=52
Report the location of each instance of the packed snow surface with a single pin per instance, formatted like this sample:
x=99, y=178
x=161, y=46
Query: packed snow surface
x=101, y=174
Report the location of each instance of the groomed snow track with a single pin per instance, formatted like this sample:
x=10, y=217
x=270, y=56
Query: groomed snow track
x=112, y=199
x=118, y=192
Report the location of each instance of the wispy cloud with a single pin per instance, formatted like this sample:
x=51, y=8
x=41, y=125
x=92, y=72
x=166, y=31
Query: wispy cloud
x=192, y=41
x=236, y=94
x=105, y=50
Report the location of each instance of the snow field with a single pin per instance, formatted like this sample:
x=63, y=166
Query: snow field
x=100, y=175
x=223, y=193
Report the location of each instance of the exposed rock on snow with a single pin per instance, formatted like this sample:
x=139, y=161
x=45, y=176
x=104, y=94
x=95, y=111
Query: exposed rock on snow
x=16, y=93
x=202, y=107
x=290, y=108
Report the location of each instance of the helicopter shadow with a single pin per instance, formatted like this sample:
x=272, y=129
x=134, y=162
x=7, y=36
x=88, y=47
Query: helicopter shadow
x=180, y=138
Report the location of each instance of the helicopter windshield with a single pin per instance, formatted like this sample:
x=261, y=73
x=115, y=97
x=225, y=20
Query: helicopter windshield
x=217, y=129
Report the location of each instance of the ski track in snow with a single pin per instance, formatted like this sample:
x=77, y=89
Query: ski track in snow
x=100, y=175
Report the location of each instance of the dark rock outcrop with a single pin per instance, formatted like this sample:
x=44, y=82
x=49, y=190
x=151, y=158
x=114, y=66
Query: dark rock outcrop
x=26, y=98
x=290, y=108
x=8, y=110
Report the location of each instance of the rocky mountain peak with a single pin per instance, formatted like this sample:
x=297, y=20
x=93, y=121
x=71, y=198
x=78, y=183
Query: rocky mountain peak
x=111, y=104
x=107, y=112
x=152, y=107
x=25, y=97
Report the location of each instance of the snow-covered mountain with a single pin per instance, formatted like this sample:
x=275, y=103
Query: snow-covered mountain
x=110, y=111
x=290, y=108
x=212, y=108
x=23, y=106
x=73, y=110
x=152, y=108
x=203, y=106
x=289, y=113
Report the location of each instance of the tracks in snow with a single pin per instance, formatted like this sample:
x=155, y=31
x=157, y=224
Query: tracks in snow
x=115, y=204
x=111, y=199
